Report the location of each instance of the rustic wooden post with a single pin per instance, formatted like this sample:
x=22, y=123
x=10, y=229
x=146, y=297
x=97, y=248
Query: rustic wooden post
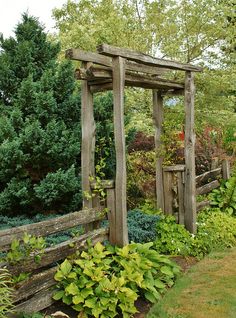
x=111, y=206
x=225, y=169
x=88, y=142
x=158, y=121
x=168, y=192
x=190, y=175
x=119, y=133
x=180, y=184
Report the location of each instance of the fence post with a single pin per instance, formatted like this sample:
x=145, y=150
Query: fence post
x=111, y=206
x=168, y=192
x=225, y=169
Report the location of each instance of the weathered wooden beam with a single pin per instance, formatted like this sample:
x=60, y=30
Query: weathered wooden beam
x=119, y=133
x=180, y=186
x=175, y=168
x=111, y=206
x=190, y=175
x=145, y=59
x=133, y=66
x=168, y=192
x=39, y=301
x=34, y=284
x=208, y=187
x=60, y=251
x=88, y=142
x=83, y=56
x=131, y=79
x=158, y=122
x=51, y=226
x=204, y=177
x=202, y=205
x=225, y=169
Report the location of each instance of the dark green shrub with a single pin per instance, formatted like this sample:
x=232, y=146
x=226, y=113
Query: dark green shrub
x=40, y=125
x=141, y=226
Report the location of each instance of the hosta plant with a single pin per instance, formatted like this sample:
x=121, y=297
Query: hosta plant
x=106, y=281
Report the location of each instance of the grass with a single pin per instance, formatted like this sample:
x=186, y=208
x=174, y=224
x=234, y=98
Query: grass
x=207, y=290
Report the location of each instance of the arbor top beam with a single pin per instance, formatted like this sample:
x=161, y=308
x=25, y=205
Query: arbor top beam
x=109, y=50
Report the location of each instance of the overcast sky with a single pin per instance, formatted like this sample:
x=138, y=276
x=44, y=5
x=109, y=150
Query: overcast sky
x=11, y=10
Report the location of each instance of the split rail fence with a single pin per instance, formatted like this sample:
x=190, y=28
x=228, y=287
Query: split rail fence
x=35, y=293
x=174, y=187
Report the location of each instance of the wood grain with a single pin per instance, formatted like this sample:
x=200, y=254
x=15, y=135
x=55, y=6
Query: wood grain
x=145, y=59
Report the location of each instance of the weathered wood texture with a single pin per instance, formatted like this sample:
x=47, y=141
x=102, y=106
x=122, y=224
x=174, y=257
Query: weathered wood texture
x=95, y=75
x=145, y=59
x=111, y=206
x=180, y=187
x=158, y=122
x=51, y=226
x=202, y=205
x=34, y=284
x=87, y=144
x=168, y=192
x=58, y=252
x=176, y=168
x=190, y=185
x=208, y=187
x=225, y=169
x=209, y=175
x=119, y=133
x=39, y=301
x=80, y=55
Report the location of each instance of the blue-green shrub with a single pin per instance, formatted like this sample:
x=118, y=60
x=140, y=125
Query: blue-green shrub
x=141, y=226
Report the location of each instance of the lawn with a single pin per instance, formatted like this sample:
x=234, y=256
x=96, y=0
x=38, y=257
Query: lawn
x=208, y=289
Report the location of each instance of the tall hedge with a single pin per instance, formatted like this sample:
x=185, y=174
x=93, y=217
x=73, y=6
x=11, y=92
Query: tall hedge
x=39, y=125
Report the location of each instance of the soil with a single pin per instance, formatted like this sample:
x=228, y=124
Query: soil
x=142, y=305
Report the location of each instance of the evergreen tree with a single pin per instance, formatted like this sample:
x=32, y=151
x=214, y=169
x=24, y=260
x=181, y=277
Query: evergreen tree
x=39, y=125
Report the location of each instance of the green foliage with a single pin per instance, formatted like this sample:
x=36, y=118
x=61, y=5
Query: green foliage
x=216, y=230
x=141, y=226
x=6, y=293
x=30, y=245
x=172, y=238
x=40, y=125
x=225, y=196
x=105, y=281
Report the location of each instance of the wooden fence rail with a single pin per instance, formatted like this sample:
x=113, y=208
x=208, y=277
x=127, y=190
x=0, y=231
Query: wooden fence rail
x=35, y=293
x=174, y=186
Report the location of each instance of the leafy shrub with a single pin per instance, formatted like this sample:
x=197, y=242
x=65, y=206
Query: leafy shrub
x=172, y=238
x=6, y=293
x=20, y=251
x=225, y=196
x=215, y=230
x=105, y=281
x=141, y=226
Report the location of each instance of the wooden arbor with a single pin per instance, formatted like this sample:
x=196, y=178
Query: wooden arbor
x=114, y=68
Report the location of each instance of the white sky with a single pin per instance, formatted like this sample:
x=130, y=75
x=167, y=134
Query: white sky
x=11, y=10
